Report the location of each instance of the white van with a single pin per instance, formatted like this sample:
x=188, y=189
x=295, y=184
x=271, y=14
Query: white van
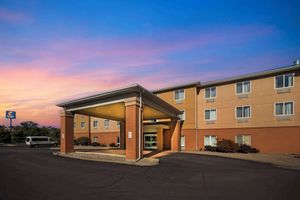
x=36, y=141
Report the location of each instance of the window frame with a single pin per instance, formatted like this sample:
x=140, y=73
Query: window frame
x=243, y=106
x=284, y=87
x=250, y=88
x=210, y=144
x=284, y=102
x=243, y=135
x=174, y=95
x=209, y=114
x=106, y=126
x=210, y=93
x=96, y=124
x=82, y=127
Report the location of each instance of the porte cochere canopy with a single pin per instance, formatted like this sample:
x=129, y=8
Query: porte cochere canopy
x=131, y=106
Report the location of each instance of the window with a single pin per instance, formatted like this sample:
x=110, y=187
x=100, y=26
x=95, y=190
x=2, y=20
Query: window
x=179, y=95
x=95, y=124
x=182, y=142
x=243, y=139
x=285, y=108
x=210, y=114
x=118, y=124
x=106, y=123
x=82, y=124
x=210, y=140
x=118, y=141
x=243, y=87
x=95, y=139
x=284, y=81
x=182, y=116
x=210, y=93
x=243, y=112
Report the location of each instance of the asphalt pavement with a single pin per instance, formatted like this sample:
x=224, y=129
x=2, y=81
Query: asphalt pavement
x=34, y=173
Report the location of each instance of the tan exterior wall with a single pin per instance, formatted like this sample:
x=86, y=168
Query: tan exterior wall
x=188, y=105
x=267, y=140
x=105, y=138
x=262, y=98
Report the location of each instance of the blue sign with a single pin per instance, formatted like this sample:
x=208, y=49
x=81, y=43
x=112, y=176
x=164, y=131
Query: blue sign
x=11, y=114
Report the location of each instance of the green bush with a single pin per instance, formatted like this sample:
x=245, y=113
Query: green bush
x=95, y=144
x=226, y=146
x=83, y=141
x=210, y=148
x=113, y=145
x=246, y=149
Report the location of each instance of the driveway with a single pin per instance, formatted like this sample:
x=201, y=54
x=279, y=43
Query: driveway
x=36, y=174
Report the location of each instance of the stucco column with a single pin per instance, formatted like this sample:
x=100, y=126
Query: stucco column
x=122, y=135
x=133, y=139
x=175, y=134
x=67, y=132
x=160, y=138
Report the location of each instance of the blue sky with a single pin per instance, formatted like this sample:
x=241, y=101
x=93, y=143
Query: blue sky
x=54, y=50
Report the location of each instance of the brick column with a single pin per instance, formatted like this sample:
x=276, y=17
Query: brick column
x=160, y=138
x=132, y=129
x=67, y=132
x=175, y=137
x=122, y=135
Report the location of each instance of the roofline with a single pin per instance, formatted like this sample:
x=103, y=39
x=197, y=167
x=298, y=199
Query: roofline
x=124, y=90
x=177, y=87
x=251, y=75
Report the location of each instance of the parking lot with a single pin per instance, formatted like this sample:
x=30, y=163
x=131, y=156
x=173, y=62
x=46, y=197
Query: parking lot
x=34, y=173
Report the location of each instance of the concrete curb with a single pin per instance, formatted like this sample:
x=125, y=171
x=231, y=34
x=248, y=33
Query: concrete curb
x=285, y=165
x=106, y=157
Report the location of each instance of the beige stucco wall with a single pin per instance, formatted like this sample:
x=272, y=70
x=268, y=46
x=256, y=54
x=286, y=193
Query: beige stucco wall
x=188, y=105
x=262, y=97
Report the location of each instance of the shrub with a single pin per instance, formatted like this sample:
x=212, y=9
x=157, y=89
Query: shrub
x=83, y=141
x=95, y=144
x=244, y=148
x=102, y=145
x=113, y=145
x=210, y=148
x=226, y=146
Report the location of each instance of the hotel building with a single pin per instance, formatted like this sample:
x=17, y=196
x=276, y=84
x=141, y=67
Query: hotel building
x=258, y=109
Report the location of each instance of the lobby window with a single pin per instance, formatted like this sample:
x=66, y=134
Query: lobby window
x=179, y=95
x=210, y=140
x=243, y=139
x=182, y=116
x=210, y=114
x=284, y=81
x=243, y=87
x=243, y=112
x=82, y=124
x=284, y=108
x=106, y=123
x=210, y=93
x=95, y=124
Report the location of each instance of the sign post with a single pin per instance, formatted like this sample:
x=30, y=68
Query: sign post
x=10, y=115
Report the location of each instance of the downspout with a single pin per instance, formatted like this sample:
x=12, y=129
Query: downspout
x=196, y=118
x=140, y=127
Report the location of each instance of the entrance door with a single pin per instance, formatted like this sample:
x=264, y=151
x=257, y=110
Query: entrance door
x=150, y=141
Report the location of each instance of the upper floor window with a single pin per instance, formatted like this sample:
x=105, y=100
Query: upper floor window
x=243, y=87
x=243, y=112
x=82, y=124
x=182, y=116
x=210, y=114
x=106, y=123
x=179, y=95
x=284, y=81
x=95, y=124
x=210, y=93
x=284, y=108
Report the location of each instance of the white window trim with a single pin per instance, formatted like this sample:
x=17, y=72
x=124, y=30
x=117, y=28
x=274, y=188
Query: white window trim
x=82, y=127
x=210, y=110
x=210, y=97
x=175, y=95
x=210, y=144
x=284, y=102
x=243, y=135
x=243, y=108
x=106, y=126
x=284, y=81
x=243, y=87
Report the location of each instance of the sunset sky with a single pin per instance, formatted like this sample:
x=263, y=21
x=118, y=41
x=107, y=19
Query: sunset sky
x=51, y=51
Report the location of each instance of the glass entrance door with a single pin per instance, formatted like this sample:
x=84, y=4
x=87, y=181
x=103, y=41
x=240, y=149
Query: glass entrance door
x=150, y=141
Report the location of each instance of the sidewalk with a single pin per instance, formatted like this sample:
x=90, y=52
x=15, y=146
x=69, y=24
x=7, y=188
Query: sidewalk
x=281, y=160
